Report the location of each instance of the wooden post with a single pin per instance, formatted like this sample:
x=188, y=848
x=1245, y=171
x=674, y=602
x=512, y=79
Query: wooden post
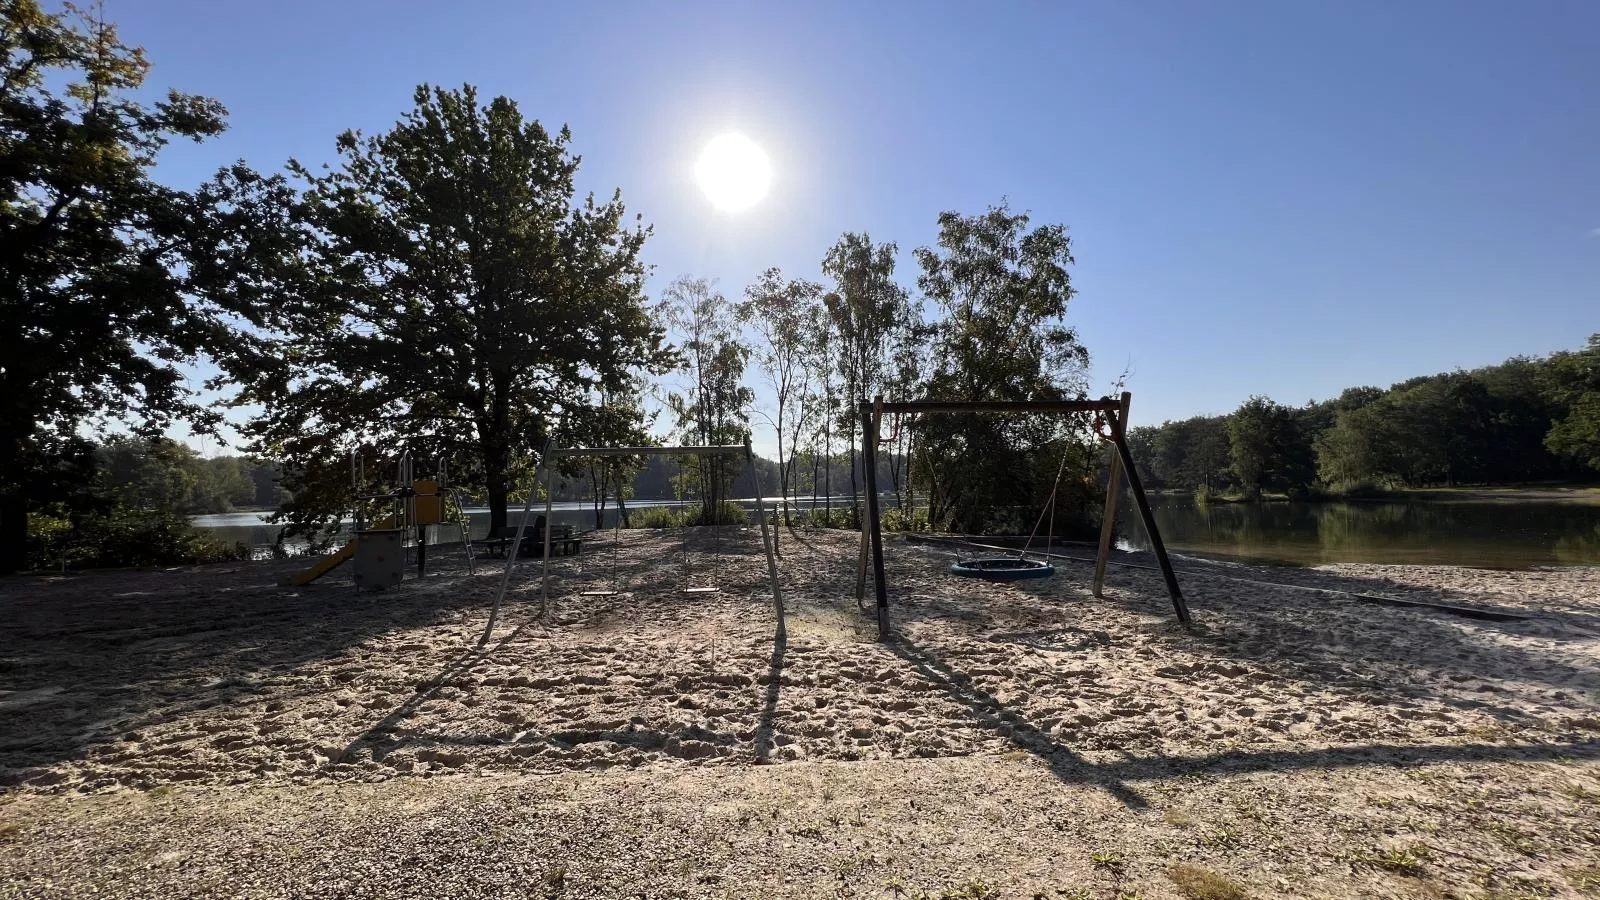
x=1119, y=434
x=1108, y=524
x=861, y=522
x=869, y=431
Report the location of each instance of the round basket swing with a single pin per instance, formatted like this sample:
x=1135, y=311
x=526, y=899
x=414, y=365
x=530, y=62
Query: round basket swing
x=1002, y=568
x=1019, y=567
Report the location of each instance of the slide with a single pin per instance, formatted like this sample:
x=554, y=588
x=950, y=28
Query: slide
x=334, y=560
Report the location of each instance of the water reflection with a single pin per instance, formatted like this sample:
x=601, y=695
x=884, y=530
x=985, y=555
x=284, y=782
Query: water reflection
x=1505, y=535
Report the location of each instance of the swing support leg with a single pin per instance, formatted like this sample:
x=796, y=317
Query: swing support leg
x=869, y=460
x=1108, y=522
x=1135, y=487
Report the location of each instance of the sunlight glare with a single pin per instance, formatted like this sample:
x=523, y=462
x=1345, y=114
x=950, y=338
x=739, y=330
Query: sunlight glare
x=733, y=172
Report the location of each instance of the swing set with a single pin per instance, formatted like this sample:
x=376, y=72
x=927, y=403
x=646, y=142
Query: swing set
x=1110, y=416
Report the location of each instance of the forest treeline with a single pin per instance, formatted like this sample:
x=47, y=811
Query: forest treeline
x=1525, y=420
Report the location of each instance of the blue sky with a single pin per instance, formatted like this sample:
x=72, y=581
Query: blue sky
x=1269, y=198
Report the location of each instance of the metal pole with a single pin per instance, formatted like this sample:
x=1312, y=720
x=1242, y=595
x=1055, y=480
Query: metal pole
x=766, y=542
x=549, y=506
x=511, y=556
x=1135, y=487
x=1108, y=523
x=870, y=448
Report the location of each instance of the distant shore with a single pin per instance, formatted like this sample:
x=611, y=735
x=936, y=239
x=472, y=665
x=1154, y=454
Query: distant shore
x=1579, y=494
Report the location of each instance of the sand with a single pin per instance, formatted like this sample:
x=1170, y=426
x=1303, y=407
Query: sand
x=208, y=731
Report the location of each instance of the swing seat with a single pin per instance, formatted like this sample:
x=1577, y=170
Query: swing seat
x=1002, y=568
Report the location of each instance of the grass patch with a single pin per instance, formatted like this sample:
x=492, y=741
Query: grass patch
x=1109, y=860
x=1401, y=861
x=1200, y=883
x=1178, y=817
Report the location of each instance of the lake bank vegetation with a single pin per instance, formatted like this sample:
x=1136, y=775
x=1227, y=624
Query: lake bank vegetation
x=1526, y=421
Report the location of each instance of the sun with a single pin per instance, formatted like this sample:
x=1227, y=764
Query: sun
x=733, y=172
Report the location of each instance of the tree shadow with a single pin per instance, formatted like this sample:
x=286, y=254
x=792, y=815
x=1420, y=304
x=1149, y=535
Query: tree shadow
x=1393, y=652
x=97, y=656
x=1063, y=762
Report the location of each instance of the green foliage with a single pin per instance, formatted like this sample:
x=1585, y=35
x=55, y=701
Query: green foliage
x=1003, y=290
x=714, y=407
x=1573, y=381
x=1266, y=447
x=730, y=515
x=444, y=288
x=1523, y=420
x=846, y=517
x=105, y=276
x=123, y=537
x=786, y=315
x=895, y=519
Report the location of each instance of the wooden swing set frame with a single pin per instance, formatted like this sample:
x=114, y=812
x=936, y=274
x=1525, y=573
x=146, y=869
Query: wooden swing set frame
x=1115, y=414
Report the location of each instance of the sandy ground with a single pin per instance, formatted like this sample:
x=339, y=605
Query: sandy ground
x=209, y=732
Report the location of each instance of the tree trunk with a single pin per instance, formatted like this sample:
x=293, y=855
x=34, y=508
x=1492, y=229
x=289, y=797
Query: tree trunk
x=783, y=472
x=13, y=500
x=496, y=459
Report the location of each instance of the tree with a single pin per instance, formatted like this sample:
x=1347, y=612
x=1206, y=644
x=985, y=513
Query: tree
x=1573, y=381
x=784, y=314
x=1003, y=289
x=1266, y=446
x=452, y=294
x=865, y=308
x=100, y=303
x=715, y=407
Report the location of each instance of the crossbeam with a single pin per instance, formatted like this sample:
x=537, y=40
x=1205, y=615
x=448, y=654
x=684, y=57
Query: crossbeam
x=707, y=450
x=999, y=406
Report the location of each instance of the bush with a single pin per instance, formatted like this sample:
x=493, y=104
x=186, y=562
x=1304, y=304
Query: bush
x=124, y=538
x=901, y=520
x=732, y=514
x=839, y=517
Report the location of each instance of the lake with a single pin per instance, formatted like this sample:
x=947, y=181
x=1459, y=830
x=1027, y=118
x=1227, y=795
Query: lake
x=252, y=529
x=1500, y=534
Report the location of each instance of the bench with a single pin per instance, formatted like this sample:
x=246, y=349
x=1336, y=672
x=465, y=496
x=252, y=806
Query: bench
x=562, y=541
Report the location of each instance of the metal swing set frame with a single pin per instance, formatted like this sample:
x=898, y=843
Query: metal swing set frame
x=1115, y=414
x=547, y=467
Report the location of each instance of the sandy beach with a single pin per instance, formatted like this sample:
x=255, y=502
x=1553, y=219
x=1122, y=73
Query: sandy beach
x=206, y=732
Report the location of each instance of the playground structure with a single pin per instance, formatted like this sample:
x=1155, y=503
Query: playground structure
x=1112, y=412
x=547, y=467
x=379, y=549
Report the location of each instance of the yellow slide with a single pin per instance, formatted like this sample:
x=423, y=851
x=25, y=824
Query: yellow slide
x=334, y=560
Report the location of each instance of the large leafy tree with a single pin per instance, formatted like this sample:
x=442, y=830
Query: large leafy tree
x=452, y=293
x=104, y=273
x=1003, y=288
